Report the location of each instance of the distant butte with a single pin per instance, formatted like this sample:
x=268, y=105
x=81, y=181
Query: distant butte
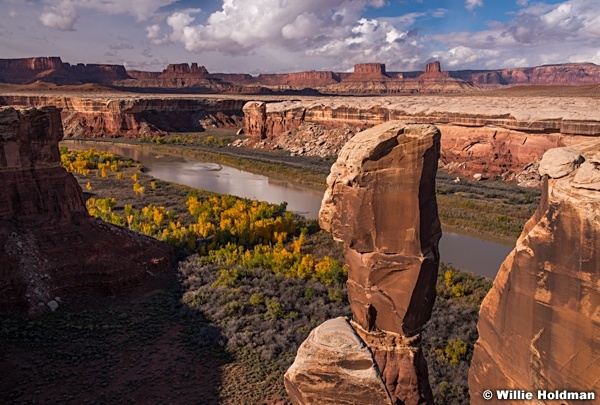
x=367, y=78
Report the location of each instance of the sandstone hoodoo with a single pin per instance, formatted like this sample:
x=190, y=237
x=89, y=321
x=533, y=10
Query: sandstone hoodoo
x=539, y=324
x=380, y=201
x=43, y=216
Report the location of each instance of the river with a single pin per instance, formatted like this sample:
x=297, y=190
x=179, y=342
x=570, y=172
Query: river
x=467, y=251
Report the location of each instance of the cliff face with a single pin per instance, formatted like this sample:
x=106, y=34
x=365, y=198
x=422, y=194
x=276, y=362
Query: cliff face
x=110, y=116
x=53, y=70
x=367, y=78
x=540, y=323
x=568, y=74
x=487, y=135
x=49, y=246
x=380, y=201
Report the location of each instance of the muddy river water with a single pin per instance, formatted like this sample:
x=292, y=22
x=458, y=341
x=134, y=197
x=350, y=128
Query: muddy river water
x=470, y=252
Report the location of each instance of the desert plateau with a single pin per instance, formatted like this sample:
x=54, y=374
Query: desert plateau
x=308, y=203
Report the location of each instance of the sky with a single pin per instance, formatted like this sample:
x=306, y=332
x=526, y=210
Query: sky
x=267, y=36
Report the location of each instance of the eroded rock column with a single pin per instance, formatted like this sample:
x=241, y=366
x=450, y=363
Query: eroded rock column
x=380, y=201
x=539, y=326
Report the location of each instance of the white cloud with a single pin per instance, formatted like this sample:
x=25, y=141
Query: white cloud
x=12, y=14
x=472, y=4
x=317, y=28
x=522, y=3
x=539, y=34
x=61, y=16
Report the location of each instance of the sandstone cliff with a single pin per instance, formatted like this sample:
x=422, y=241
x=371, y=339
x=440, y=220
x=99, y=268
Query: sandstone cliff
x=488, y=135
x=539, y=325
x=132, y=117
x=54, y=70
x=367, y=78
x=380, y=201
x=568, y=74
x=49, y=245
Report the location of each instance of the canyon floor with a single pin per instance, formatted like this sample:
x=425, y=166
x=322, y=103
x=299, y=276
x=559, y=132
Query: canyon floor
x=155, y=345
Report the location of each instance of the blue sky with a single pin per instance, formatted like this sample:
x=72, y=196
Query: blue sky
x=260, y=36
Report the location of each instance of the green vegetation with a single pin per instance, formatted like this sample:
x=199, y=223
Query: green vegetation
x=251, y=282
x=192, y=139
x=449, y=336
x=490, y=207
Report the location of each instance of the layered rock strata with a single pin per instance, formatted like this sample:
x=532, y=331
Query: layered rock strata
x=54, y=70
x=380, y=201
x=49, y=245
x=539, y=324
x=367, y=78
x=133, y=117
x=491, y=135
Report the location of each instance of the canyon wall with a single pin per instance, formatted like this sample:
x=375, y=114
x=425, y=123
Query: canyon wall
x=380, y=201
x=49, y=245
x=487, y=135
x=540, y=323
x=132, y=117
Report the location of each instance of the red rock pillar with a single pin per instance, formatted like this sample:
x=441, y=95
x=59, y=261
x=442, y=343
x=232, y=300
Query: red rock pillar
x=381, y=203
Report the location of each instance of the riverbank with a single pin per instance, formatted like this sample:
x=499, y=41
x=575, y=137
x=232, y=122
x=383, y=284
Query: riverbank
x=491, y=208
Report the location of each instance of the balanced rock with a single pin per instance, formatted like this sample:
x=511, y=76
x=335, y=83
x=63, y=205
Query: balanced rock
x=539, y=324
x=334, y=366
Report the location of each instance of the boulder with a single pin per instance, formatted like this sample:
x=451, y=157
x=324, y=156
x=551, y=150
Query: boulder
x=335, y=366
x=559, y=162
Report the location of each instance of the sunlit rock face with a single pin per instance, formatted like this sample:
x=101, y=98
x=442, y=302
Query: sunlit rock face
x=539, y=326
x=333, y=357
x=49, y=245
x=493, y=136
x=380, y=201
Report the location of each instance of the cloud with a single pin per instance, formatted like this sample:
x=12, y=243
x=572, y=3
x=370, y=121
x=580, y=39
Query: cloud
x=147, y=52
x=539, y=34
x=318, y=28
x=522, y=3
x=122, y=44
x=61, y=16
x=472, y=4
